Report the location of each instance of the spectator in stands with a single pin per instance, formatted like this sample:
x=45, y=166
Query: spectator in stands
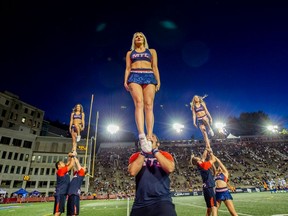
x=62, y=184
x=142, y=80
x=151, y=171
x=222, y=191
x=77, y=124
x=74, y=190
x=203, y=117
x=204, y=165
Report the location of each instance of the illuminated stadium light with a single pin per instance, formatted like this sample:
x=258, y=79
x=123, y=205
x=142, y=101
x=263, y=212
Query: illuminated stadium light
x=178, y=127
x=273, y=128
x=112, y=129
x=220, y=125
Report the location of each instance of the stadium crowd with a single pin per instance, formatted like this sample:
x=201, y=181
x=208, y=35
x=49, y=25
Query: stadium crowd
x=252, y=162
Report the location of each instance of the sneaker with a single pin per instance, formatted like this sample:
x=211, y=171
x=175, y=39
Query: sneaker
x=211, y=132
x=145, y=144
x=78, y=138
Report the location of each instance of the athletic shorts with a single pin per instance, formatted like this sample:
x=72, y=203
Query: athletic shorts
x=223, y=195
x=73, y=205
x=164, y=208
x=209, y=196
x=74, y=129
x=59, y=203
x=201, y=121
x=142, y=77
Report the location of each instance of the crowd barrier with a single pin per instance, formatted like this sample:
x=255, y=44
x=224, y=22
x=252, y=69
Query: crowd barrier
x=51, y=199
x=115, y=196
x=200, y=193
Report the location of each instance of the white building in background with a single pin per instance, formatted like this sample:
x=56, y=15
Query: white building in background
x=18, y=115
x=27, y=160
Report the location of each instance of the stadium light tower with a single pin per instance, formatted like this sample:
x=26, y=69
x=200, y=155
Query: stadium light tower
x=178, y=127
x=273, y=128
x=220, y=126
x=112, y=129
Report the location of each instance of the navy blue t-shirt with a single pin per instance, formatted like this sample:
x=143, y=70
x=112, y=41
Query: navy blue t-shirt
x=63, y=180
x=152, y=182
x=76, y=182
x=206, y=174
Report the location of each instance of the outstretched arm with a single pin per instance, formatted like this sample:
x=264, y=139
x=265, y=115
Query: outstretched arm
x=77, y=163
x=204, y=155
x=191, y=157
x=222, y=166
x=212, y=157
x=71, y=161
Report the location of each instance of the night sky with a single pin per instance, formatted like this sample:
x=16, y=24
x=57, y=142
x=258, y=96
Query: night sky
x=63, y=53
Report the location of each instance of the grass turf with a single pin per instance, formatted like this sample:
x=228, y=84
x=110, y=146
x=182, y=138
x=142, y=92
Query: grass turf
x=246, y=204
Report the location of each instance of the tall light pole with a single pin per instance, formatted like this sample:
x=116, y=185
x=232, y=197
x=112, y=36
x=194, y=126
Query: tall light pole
x=95, y=139
x=88, y=131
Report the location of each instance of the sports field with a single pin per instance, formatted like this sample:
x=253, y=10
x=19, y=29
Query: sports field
x=262, y=204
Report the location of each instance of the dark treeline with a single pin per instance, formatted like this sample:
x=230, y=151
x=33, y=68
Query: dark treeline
x=249, y=123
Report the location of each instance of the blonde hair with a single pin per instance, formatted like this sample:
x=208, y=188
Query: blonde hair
x=200, y=100
x=145, y=43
